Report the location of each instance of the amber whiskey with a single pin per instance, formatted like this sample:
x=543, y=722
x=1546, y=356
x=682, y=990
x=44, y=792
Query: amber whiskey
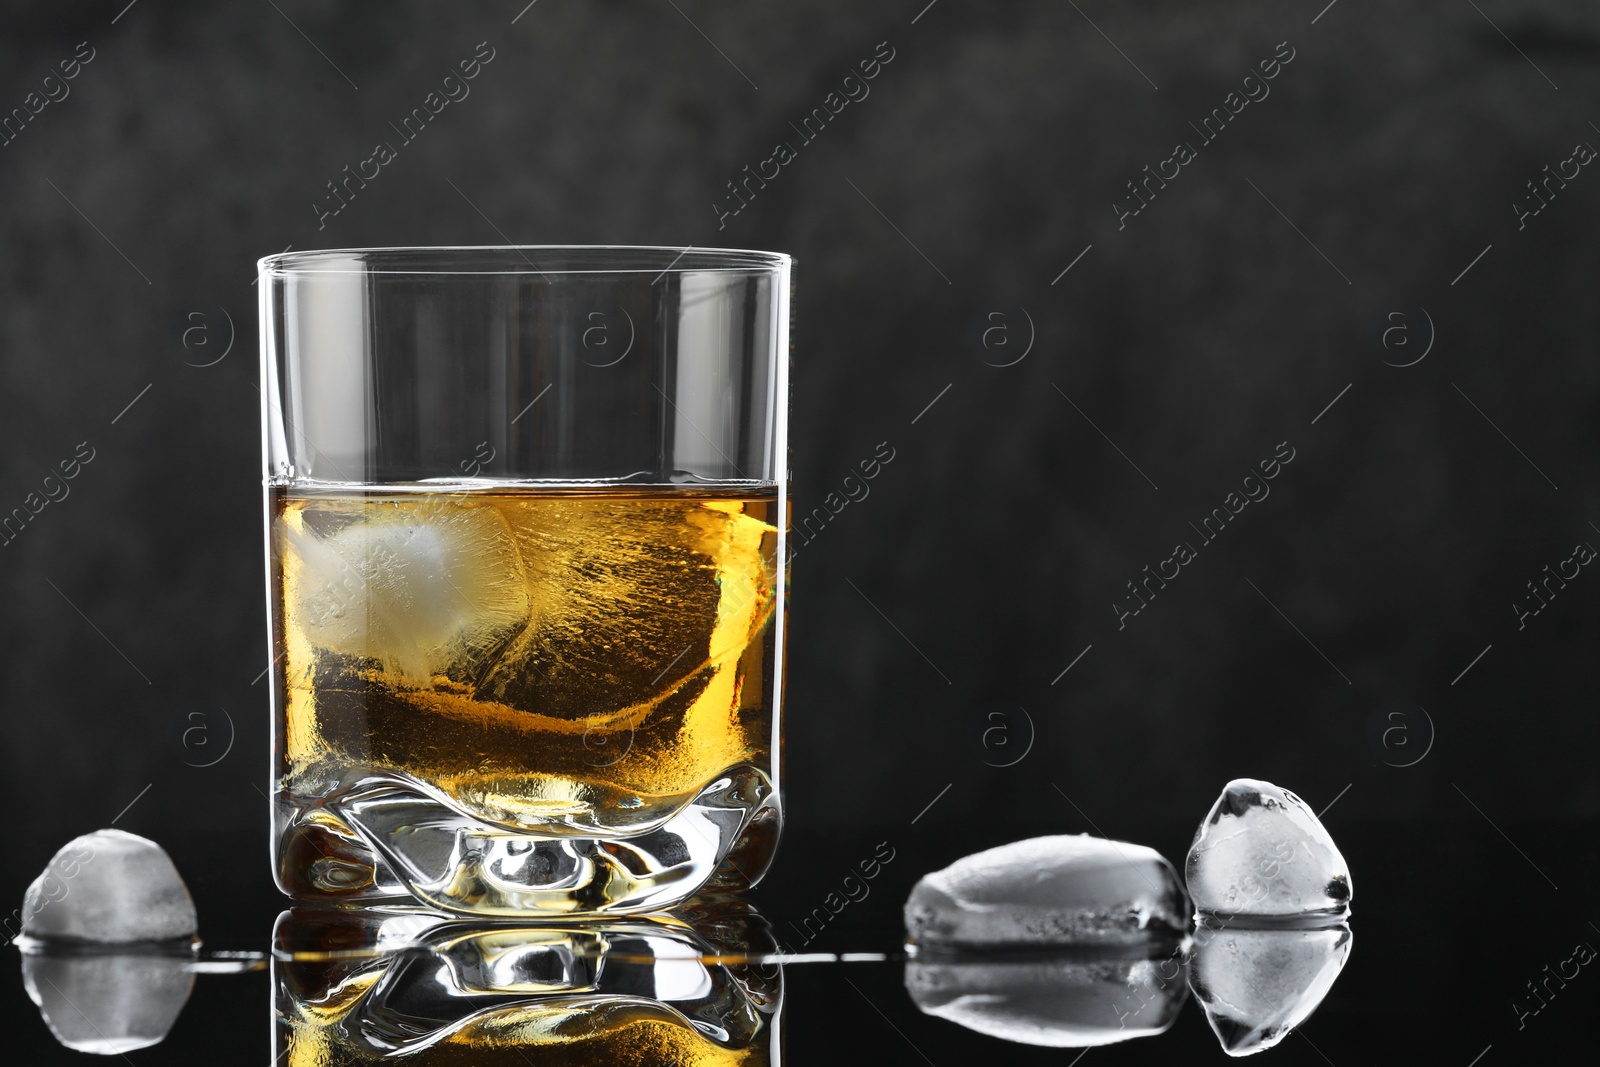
x=555, y=662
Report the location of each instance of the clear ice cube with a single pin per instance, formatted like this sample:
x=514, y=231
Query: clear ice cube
x=108, y=930
x=1262, y=853
x=423, y=590
x=1060, y=890
x=1257, y=985
x=631, y=599
x=109, y=887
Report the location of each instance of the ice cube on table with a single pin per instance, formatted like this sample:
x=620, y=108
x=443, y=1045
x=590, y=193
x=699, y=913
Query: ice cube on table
x=109, y=887
x=1048, y=891
x=1262, y=854
x=108, y=930
x=1257, y=985
x=1059, y=1002
x=420, y=589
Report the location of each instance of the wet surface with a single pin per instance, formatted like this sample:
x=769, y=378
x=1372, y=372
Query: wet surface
x=1421, y=925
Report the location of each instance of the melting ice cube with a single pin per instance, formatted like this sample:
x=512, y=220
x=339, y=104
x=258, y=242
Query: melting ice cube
x=1059, y=941
x=109, y=887
x=419, y=589
x=108, y=932
x=1060, y=890
x=1257, y=985
x=1261, y=853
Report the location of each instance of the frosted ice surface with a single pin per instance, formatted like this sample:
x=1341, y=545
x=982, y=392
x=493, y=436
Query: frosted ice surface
x=1262, y=852
x=109, y=886
x=420, y=590
x=1060, y=890
x=1057, y=1002
x=1257, y=985
x=113, y=889
x=108, y=1004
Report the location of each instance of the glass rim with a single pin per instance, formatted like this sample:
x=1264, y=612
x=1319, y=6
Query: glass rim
x=447, y=260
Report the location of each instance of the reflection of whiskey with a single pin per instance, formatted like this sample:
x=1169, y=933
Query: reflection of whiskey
x=565, y=662
x=655, y=992
x=581, y=1031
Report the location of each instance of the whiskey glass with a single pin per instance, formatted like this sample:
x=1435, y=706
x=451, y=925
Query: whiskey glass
x=526, y=525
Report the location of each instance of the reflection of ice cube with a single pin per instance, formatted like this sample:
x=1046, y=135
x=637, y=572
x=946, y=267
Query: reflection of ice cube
x=419, y=588
x=1261, y=852
x=1060, y=1002
x=109, y=886
x=108, y=1005
x=1257, y=985
x=1061, y=890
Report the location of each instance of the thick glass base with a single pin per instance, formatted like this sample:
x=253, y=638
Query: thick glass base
x=388, y=838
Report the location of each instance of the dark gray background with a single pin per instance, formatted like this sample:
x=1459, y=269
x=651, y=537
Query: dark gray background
x=1222, y=320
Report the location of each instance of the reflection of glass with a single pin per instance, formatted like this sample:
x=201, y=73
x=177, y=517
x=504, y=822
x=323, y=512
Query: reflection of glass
x=366, y=987
x=526, y=511
x=109, y=951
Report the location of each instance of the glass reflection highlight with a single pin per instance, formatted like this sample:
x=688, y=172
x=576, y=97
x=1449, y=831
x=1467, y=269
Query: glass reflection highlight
x=367, y=987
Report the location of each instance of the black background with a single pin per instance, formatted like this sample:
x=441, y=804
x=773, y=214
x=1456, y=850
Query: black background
x=1378, y=176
